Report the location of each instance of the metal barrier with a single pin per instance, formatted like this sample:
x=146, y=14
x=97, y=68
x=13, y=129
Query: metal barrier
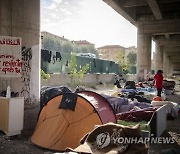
x=55, y=62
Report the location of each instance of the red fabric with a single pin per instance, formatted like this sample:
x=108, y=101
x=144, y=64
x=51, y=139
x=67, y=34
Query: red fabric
x=158, y=80
x=141, y=115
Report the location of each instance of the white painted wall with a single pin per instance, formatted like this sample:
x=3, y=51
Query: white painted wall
x=35, y=72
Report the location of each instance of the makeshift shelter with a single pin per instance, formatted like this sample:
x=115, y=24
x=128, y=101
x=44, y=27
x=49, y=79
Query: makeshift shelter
x=101, y=104
x=66, y=118
x=48, y=93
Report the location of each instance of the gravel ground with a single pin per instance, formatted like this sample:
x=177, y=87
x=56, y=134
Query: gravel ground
x=21, y=144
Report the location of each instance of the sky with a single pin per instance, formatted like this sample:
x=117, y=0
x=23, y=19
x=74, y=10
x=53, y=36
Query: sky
x=91, y=20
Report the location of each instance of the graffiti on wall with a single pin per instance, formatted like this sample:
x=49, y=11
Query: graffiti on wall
x=10, y=56
x=9, y=64
x=26, y=70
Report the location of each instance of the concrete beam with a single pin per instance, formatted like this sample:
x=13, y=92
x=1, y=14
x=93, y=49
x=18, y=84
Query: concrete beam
x=168, y=42
x=117, y=7
x=171, y=49
x=174, y=54
x=174, y=59
x=176, y=63
x=176, y=67
x=134, y=3
x=160, y=27
x=155, y=9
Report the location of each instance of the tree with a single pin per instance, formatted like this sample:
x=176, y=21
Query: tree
x=67, y=47
x=132, y=57
x=52, y=44
x=76, y=76
x=121, y=61
x=120, y=56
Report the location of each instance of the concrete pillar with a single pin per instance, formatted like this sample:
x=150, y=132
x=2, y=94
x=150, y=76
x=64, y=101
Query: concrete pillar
x=21, y=18
x=170, y=72
x=165, y=64
x=158, y=57
x=143, y=54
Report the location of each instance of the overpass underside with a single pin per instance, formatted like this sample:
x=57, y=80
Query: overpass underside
x=157, y=20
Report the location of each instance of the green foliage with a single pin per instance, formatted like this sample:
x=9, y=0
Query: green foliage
x=122, y=64
x=67, y=47
x=52, y=44
x=44, y=76
x=132, y=57
x=125, y=68
x=120, y=56
x=75, y=75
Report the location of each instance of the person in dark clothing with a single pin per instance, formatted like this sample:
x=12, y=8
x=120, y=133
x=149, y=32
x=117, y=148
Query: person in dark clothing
x=158, y=78
x=117, y=81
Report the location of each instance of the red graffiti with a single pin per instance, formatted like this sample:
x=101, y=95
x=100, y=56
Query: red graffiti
x=16, y=63
x=12, y=66
x=7, y=69
x=7, y=56
x=6, y=41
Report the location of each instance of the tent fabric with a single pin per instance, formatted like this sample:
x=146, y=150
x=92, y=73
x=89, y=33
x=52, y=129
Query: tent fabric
x=58, y=129
x=49, y=92
x=101, y=104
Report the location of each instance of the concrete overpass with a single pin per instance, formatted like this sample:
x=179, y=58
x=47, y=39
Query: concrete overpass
x=157, y=20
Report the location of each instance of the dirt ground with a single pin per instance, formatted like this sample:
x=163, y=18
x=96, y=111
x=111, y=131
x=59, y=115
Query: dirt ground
x=21, y=144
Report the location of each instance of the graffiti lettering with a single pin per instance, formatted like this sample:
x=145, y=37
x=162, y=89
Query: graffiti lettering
x=27, y=54
x=26, y=70
x=7, y=69
x=7, y=56
x=5, y=41
x=11, y=65
x=16, y=63
x=10, y=56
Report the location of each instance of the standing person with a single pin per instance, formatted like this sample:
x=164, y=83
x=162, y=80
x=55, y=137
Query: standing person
x=117, y=81
x=159, y=82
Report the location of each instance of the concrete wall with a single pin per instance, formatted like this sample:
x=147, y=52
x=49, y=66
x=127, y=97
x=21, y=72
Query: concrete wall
x=21, y=18
x=89, y=79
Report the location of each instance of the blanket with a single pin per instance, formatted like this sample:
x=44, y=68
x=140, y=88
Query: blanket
x=136, y=116
x=120, y=104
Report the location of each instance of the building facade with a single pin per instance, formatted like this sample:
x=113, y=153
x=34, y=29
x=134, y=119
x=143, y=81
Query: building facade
x=110, y=52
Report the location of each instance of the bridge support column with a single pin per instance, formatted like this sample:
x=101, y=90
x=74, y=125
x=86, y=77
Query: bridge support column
x=166, y=64
x=158, y=58
x=22, y=19
x=170, y=71
x=143, y=54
